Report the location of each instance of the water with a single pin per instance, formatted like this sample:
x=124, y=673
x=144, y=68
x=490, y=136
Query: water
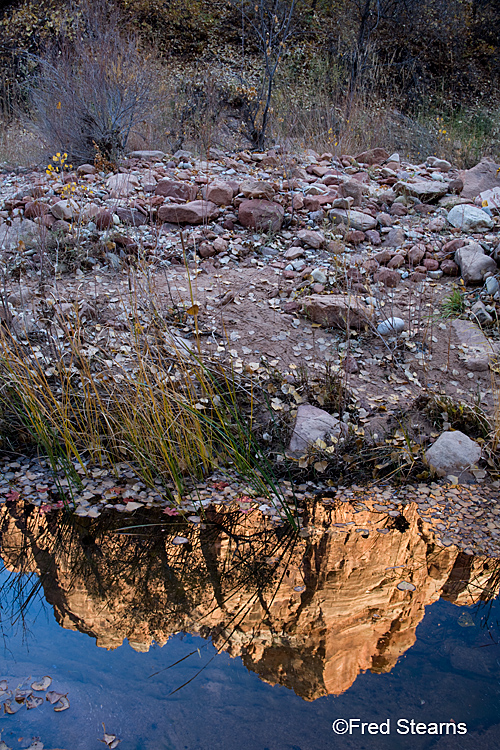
x=248, y=636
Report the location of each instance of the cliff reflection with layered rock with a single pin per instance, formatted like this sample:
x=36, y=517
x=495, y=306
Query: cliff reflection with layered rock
x=308, y=611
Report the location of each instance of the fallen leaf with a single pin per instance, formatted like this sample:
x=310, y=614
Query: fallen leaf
x=53, y=697
x=62, y=705
x=42, y=684
x=33, y=701
x=11, y=707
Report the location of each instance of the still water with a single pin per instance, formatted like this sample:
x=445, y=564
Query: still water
x=248, y=636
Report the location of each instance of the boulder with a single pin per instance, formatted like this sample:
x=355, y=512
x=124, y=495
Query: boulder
x=387, y=277
x=254, y=189
x=452, y=453
x=484, y=176
x=313, y=424
x=338, y=311
x=311, y=238
x=195, y=212
x=35, y=209
x=219, y=192
x=65, y=210
x=146, y=155
x=131, y=216
x=179, y=191
x=261, y=214
x=373, y=156
x=473, y=263
x=470, y=218
x=122, y=185
x=353, y=219
x=424, y=190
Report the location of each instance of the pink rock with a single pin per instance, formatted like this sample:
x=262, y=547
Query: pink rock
x=417, y=276
x=220, y=245
x=396, y=261
x=206, y=250
x=195, y=212
x=483, y=176
x=387, y=277
x=416, y=254
x=298, y=202
x=261, y=214
x=352, y=189
x=383, y=257
x=373, y=237
x=104, y=219
x=34, y=209
x=449, y=267
x=453, y=245
x=355, y=236
x=373, y=156
x=311, y=238
x=337, y=310
x=183, y=191
x=219, y=192
x=371, y=265
x=431, y=264
x=397, y=209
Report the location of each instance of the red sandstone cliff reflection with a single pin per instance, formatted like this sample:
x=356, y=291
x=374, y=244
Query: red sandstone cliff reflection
x=308, y=613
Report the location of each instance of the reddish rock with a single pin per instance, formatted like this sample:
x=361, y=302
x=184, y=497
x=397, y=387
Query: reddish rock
x=228, y=224
x=310, y=238
x=317, y=288
x=355, y=236
x=383, y=257
x=35, y=209
x=291, y=306
x=195, y=212
x=206, y=250
x=337, y=310
x=397, y=209
x=183, y=191
x=261, y=214
x=416, y=276
x=455, y=186
x=255, y=189
x=483, y=176
x=352, y=189
x=396, y=261
x=350, y=365
x=290, y=274
x=298, y=202
x=47, y=220
x=449, y=267
x=371, y=265
x=416, y=254
x=61, y=226
x=387, y=277
x=453, y=245
x=219, y=192
x=373, y=237
x=131, y=216
x=103, y=219
x=373, y=156
x=431, y=264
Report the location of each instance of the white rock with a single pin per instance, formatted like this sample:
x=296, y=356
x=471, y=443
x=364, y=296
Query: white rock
x=452, y=453
x=470, y=218
x=473, y=262
x=319, y=276
x=390, y=326
x=491, y=285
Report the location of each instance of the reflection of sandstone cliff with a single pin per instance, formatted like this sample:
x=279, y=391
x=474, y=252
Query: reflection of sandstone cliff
x=309, y=613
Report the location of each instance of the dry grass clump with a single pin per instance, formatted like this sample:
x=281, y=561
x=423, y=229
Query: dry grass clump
x=169, y=412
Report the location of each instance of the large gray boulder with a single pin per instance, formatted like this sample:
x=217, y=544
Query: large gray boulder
x=313, y=424
x=470, y=218
x=452, y=453
x=473, y=263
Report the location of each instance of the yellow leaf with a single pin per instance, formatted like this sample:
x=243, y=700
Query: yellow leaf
x=58, y=105
x=193, y=310
x=320, y=465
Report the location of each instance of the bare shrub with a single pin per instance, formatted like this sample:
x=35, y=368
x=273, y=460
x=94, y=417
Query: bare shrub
x=93, y=87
